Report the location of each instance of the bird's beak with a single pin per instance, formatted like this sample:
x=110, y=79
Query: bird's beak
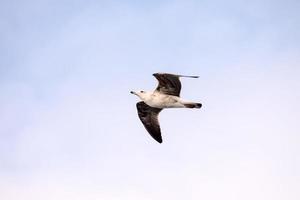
x=132, y=92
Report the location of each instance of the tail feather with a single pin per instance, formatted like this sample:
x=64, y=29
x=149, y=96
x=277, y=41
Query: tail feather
x=193, y=105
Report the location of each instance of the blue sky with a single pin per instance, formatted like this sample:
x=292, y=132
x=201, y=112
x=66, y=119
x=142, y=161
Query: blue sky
x=68, y=124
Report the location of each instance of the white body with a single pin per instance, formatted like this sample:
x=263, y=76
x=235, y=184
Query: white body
x=159, y=100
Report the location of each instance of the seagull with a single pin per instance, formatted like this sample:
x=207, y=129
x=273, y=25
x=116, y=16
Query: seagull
x=166, y=95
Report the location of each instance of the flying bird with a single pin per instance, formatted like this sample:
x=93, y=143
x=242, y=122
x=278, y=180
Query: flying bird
x=166, y=95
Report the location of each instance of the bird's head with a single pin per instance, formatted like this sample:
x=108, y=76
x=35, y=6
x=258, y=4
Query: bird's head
x=142, y=94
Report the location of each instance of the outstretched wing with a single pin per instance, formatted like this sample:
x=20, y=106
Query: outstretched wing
x=148, y=115
x=169, y=83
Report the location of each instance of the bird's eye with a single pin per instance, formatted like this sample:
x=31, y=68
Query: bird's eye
x=142, y=91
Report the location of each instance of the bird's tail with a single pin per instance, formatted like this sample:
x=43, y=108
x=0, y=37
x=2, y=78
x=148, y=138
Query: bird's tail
x=193, y=105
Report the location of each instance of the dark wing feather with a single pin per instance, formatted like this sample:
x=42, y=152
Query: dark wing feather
x=148, y=115
x=168, y=83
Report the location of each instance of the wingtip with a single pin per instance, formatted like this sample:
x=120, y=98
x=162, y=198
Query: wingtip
x=160, y=73
x=188, y=76
x=158, y=139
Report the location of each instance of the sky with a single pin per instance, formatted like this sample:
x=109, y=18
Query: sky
x=68, y=125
